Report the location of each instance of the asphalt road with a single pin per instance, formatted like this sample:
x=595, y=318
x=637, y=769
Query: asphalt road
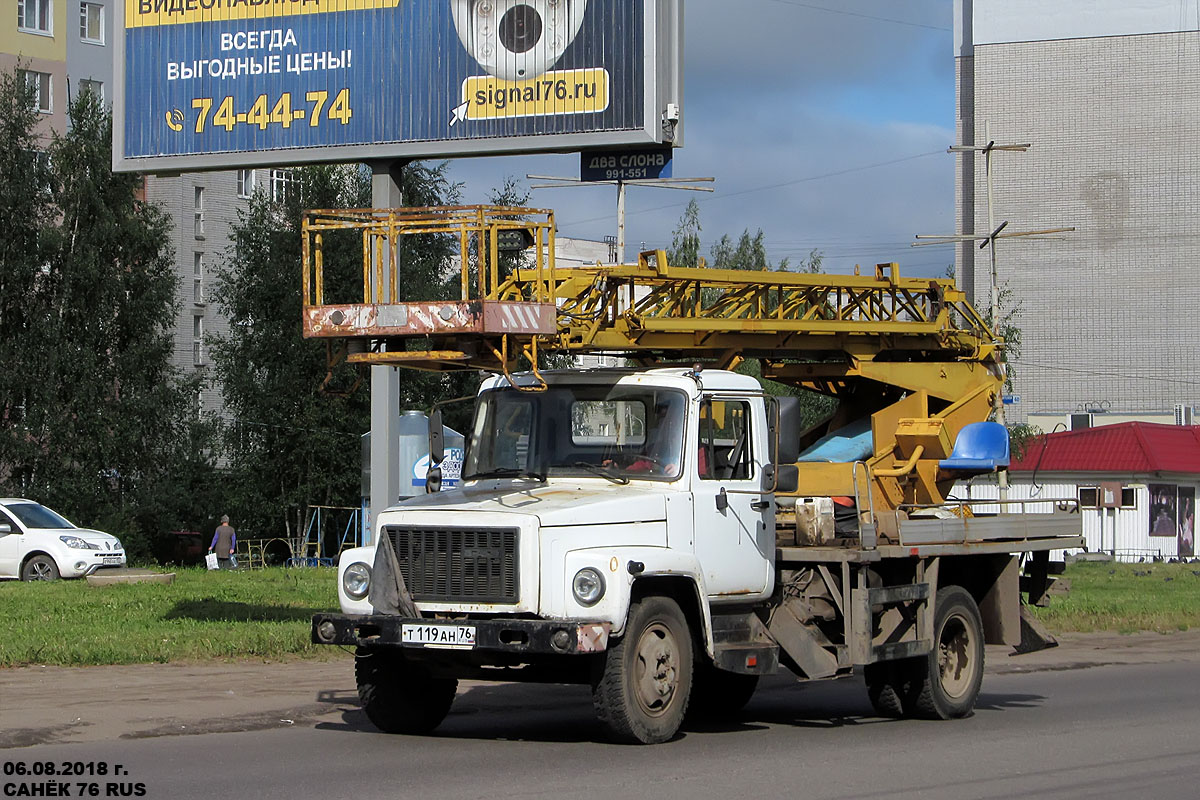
x=1121, y=730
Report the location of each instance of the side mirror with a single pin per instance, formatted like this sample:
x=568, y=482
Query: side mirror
x=437, y=442
x=5, y=527
x=785, y=433
x=788, y=479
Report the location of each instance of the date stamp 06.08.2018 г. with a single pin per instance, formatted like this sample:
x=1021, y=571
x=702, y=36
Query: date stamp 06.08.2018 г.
x=68, y=779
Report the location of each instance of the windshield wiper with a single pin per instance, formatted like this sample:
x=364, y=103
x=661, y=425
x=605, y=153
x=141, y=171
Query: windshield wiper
x=603, y=472
x=506, y=472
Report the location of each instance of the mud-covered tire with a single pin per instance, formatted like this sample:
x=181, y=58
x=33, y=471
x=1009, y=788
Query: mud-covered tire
x=399, y=696
x=887, y=682
x=717, y=694
x=947, y=681
x=641, y=694
x=40, y=568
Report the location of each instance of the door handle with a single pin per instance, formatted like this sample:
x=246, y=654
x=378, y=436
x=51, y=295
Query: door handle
x=760, y=505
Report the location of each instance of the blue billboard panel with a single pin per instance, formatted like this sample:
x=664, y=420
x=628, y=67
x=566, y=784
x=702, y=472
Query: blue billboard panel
x=283, y=81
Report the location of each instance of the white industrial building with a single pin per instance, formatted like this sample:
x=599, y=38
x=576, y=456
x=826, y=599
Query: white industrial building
x=1136, y=484
x=1107, y=95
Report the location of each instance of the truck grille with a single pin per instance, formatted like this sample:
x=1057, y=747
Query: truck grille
x=455, y=565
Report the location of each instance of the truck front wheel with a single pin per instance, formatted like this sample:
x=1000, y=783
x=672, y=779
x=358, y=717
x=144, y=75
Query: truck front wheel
x=948, y=679
x=642, y=693
x=400, y=696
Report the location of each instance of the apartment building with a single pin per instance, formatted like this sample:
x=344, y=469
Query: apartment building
x=35, y=40
x=66, y=46
x=1107, y=95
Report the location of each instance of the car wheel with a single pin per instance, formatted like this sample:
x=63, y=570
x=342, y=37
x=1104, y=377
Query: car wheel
x=40, y=568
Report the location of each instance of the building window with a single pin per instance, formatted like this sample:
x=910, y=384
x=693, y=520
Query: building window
x=39, y=82
x=88, y=85
x=283, y=183
x=198, y=341
x=245, y=182
x=199, y=212
x=198, y=279
x=1128, y=498
x=200, y=402
x=1089, y=497
x=35, y=16
x=91, y=23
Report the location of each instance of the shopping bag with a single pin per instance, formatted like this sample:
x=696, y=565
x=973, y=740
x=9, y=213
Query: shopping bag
x=210, y=561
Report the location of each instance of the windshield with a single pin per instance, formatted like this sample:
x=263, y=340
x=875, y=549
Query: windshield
x=620, y=433
x=33, y=515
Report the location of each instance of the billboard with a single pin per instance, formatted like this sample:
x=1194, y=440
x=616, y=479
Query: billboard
x=212, y=84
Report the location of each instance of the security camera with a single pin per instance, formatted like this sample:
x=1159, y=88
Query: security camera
x=516, y=40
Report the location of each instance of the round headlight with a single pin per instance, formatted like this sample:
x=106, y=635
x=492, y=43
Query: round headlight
x=356, y=580
x=588, y=586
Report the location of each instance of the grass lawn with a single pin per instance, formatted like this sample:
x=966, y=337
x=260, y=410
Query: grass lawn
x=265, y=614
x=201, y=616
x=1126, y=598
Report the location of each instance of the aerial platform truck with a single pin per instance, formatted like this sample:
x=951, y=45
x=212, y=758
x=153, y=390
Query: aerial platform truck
x=670, y=532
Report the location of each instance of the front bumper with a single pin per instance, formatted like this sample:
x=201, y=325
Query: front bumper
x=548, y=637
x=81, y=567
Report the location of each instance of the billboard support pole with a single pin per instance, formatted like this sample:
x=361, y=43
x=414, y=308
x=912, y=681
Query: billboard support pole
x=386, y=192
x=620, y=222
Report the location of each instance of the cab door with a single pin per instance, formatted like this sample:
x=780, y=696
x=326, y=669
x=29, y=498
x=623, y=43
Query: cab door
x=734, y=521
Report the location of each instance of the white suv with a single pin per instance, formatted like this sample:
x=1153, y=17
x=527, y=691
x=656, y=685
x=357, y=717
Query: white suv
x=37, y=544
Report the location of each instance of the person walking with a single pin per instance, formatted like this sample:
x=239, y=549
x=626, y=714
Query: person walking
x=224, y=542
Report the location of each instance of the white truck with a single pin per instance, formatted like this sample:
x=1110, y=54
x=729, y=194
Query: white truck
x=624, y=530
x=669, y=534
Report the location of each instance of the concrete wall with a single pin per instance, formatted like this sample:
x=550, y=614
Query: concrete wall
x=1105, y=311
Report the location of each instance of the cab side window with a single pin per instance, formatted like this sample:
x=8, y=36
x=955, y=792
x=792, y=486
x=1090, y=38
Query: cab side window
x=723, y=449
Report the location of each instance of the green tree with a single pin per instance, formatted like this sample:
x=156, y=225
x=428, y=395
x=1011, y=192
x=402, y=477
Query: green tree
x=685, y=242
x=106, y=417
x=27, y=209
x=294, y=437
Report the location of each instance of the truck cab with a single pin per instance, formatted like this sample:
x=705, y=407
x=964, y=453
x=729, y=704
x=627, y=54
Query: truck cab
x=578, y=498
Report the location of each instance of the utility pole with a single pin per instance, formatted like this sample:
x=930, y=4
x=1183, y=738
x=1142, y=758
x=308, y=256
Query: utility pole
x=686, y=184
x=989, y=240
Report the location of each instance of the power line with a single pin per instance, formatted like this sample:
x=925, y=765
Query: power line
x=808, y=179
x=846, y=13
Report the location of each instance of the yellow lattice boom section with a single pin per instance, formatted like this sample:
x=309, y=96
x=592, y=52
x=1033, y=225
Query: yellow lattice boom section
x=912, y=355
x=809, y=329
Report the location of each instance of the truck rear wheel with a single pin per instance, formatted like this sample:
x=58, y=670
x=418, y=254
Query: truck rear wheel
x=948, y=680
x=642, y=693
x=887, y=681
x=399, y=696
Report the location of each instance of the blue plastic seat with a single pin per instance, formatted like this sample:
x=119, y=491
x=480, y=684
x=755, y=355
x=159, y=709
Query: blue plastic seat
x=980, y=447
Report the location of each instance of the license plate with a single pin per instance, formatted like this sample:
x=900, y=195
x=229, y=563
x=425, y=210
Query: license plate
x=459, y=636
x=111, y=560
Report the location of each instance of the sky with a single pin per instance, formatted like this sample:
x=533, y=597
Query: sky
x=825, y=124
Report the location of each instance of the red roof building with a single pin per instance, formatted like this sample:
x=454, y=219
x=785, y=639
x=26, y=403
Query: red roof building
x=1129, y=447
x=1137, y=485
